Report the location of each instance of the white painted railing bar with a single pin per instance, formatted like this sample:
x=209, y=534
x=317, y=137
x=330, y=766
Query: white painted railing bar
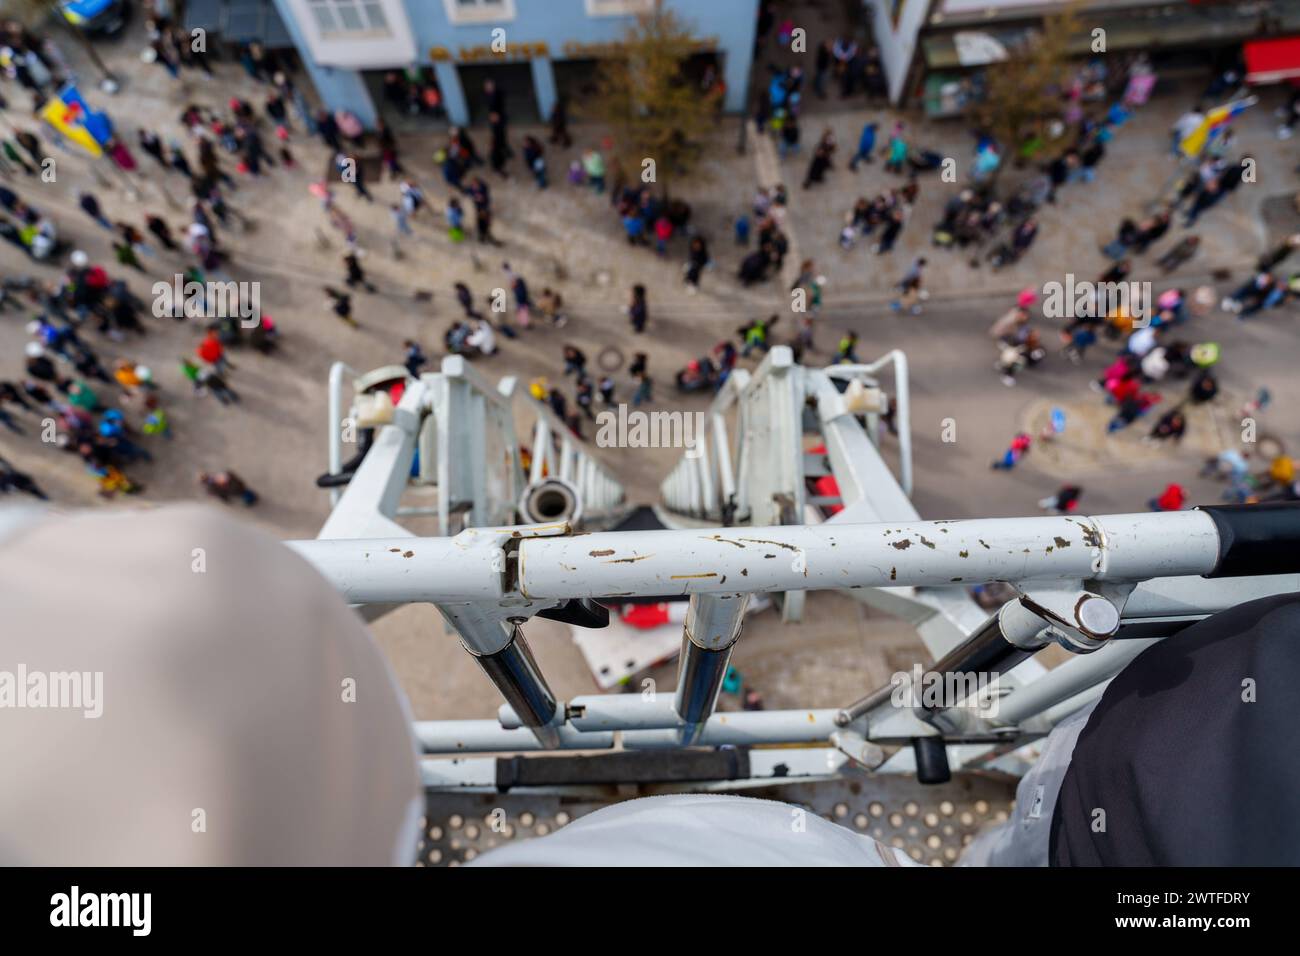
x=744, y=728
x=488, y=736
x=890, y=554
x=1130, y=547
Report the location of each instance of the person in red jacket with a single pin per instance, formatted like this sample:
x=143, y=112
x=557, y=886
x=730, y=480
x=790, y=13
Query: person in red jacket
x=1171, y=499
x=663, y=232
x=1019, y=448
x=213, y=352
x=1122, y=389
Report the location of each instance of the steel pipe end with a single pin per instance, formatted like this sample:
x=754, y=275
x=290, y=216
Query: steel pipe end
x=549, y=501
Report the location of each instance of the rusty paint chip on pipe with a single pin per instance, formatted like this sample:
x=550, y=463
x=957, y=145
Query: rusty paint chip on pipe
x=779, y=544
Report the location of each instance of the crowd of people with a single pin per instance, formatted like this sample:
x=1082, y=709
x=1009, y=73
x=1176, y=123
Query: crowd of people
x=1156, y=371
x=221, y=149
x=990, y=221
x=112, y=413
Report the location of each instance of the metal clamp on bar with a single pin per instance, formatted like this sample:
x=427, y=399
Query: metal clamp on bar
x=1014, y=634
x=713, y=623
x=858, y=749
x=1004, y=640
x=1079, y=620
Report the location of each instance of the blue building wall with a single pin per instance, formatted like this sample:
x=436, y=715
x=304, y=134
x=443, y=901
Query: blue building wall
x=552, y=22
x=338, y=89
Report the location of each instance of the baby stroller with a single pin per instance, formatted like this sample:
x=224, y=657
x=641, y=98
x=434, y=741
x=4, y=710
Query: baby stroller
x=1015, y=245
x=1003, y=254
x=924, y=160
x=1026, y=200
x=699, y=375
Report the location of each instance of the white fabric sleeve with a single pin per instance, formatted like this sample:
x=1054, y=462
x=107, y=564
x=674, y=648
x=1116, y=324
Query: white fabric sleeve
x=699, y=830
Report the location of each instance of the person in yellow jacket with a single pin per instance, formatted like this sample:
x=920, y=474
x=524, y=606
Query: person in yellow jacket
x=1281, y=470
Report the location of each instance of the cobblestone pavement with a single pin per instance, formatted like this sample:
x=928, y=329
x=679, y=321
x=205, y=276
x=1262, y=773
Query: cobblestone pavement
x=569, y=238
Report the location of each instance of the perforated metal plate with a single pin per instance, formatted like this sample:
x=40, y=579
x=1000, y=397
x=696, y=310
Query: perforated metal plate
x=931, y=824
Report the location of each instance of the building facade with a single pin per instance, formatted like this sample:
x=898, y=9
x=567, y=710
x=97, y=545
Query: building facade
x=927, y=46
x=535, y=50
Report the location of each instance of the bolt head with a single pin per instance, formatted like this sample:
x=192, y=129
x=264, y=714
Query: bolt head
x=1096, y=615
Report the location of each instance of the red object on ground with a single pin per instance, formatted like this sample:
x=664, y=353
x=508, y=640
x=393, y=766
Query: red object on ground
x=1272, y=61
x=826, y=485
x=646, y=616
x=1172, y=498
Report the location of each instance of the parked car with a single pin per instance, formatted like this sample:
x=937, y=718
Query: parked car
x=96, y=17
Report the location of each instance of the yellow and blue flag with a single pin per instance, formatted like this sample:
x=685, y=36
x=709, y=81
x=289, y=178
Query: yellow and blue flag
x=72, y=116
x=1215, y=120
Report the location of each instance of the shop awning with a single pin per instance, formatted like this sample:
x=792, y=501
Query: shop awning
x=1167, y=27
x=1272, y=61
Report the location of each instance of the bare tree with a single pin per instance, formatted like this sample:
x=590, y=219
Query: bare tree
x=1023, y=92
x=646, y=98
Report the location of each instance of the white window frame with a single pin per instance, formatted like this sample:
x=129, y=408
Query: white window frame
x=460, y=16
x=343, y=33
x=618, y=8
x=368, y=49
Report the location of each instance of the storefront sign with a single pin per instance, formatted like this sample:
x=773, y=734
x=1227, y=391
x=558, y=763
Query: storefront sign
x=596, y=51
x=484, y=51
x=539, y=49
